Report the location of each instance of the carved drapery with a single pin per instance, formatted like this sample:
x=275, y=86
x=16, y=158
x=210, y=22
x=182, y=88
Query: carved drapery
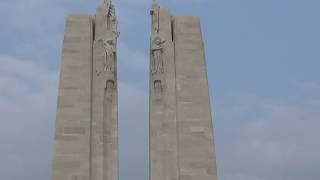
x=158, y=88
x=105, y=93
x=155, y=13
x=108, y=64
x=109, y=89
x=109, y=40
x=157, y=53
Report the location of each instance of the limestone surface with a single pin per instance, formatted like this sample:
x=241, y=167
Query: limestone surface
x=86, y=136
x=181, y=132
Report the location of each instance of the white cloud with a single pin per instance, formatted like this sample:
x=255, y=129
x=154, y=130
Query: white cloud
x=267, y=138
x=28, y=94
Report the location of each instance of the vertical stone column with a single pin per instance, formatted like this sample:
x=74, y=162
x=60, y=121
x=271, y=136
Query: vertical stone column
x=195, y=139
x=86, y=137
x=72, y=134
x=104, y=140
x=181, y=132
x=163, y=137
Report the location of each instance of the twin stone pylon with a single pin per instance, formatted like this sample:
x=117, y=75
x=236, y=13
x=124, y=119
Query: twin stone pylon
x=86, y=134
x=181, y=132
x=86, y=137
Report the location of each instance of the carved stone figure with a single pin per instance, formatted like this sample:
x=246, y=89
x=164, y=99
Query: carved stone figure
x=111, y=18
x=109, y=60
x=158, y=88
x=113, y=23
x=112, y=13
x=107, y=4
x=155, y=17
x=109, y=88
x=109, y=47
x=157, y=51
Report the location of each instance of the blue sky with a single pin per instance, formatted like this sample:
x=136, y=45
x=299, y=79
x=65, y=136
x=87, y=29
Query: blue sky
x=263, y=60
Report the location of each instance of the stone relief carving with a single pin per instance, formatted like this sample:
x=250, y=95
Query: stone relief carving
x=110, y=39
x=111, y=18
x=110, y=50
x=158, y=88
x=155, y=13
x=157, y=55
x=109, y=88
x=109, y=59
x=107, y=4
x=109, y=85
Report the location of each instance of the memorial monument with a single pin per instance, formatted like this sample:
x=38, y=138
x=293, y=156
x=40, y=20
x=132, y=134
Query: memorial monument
x=181, y=132
x=86, y=138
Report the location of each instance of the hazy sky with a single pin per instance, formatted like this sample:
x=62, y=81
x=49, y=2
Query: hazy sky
x=263, y=61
